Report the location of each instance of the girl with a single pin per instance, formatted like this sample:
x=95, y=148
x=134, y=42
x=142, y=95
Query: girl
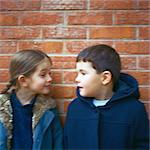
x=28, y=116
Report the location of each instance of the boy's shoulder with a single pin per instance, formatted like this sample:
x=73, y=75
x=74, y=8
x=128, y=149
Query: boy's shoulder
x=74, y=104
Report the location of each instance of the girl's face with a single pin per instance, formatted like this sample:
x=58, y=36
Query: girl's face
x=40, y=81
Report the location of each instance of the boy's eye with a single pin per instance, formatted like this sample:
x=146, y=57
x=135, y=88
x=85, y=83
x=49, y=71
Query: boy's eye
x=83, y=73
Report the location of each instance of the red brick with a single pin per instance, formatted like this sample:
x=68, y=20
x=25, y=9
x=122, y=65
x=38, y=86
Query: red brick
x=62, y=119
x=41, y=18
x=69, y=77
x=63, y=92
x=19, y=33
x=142, y=77
x=56, y=77
x=4, y=76
x=8, y=19
x=66, y=103
x=2, y=86
x=47, y=47
x=144, y=62
x=132, y=47
x=8, y=47
x=112, y=32
x=143, y=4
x=4, y=62
x=96, y=18
x=132, y=17
x=112, y=4
x=63, y=5
x=128, y=63
x=144, y=33
x=63, y=62
x=74, y=47
x=6, y=5
x=64, y=33
x=144, y=93
x=147, y=106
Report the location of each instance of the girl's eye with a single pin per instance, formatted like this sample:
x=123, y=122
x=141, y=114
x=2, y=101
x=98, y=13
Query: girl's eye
x=42, y=75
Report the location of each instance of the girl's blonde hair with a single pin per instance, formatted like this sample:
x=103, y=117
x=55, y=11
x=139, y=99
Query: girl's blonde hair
x=24, y=63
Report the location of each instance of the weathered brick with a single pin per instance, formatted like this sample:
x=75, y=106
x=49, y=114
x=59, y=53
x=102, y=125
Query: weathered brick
x=143, y=4
x=147, y=106
x=4, y=61
x=63, y=4
x=8, y=47
x=64, y=33
x=69, y=77
x=74, y=47
x=47, y=47
x=8, y=19
x=142, y=77
x=144, y=93
x=66, y=103
x=56, y=77
x=6, y=5
x=144, y=33
x=141, y=47
x=144, y=63
x=132, y=17
x=4, y=76
x=63, y=62
x=112, y=32
x=19, y=33
x=41, y=18
x=112, y=4
x=2, y=86
x=63, y=92
x=95, y=18
x=128, y=63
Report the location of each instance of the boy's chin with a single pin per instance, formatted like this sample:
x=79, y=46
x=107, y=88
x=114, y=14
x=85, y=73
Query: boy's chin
x=83, y=94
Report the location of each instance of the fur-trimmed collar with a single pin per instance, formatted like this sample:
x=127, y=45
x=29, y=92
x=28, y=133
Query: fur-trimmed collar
x=42, y=104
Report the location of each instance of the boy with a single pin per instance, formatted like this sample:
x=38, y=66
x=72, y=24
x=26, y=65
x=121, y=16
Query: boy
x=106, y=113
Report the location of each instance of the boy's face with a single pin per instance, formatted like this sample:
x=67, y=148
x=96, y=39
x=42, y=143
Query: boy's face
x=88, y=81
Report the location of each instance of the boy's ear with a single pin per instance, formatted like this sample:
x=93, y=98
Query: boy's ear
x=106, y=77
x=22, y=80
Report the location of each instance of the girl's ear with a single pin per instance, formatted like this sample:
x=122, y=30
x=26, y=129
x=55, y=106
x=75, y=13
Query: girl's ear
x=106, y=77
x=22, y=80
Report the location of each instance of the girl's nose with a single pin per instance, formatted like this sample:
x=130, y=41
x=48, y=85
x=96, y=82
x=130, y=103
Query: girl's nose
x=49, y=79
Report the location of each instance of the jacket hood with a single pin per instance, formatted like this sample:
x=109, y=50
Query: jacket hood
x=127, y=86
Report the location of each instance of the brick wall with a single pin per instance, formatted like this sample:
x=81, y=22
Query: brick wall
x=62, y=28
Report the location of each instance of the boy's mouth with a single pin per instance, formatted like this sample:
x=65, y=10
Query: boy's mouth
x=79, y=87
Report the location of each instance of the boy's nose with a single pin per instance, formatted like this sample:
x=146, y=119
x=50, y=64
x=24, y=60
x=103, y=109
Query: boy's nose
x=77, y=79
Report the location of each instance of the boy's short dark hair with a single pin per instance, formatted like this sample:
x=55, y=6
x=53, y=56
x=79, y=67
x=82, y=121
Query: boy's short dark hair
x=103, y=58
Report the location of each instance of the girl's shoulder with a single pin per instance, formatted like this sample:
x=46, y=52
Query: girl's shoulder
x=4, y=98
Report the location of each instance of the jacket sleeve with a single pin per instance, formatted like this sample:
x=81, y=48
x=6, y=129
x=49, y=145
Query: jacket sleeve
x=57, y=133
x=3, y=137
x=65, y=136
x=142, y=130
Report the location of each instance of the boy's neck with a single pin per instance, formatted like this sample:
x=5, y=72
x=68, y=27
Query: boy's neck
x=25, y=96
x=105, y=94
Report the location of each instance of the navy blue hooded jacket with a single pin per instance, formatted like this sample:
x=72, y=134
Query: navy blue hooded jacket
x=121, y=124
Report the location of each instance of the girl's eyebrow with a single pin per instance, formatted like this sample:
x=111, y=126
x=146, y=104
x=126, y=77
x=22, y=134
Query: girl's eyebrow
x=45, y=69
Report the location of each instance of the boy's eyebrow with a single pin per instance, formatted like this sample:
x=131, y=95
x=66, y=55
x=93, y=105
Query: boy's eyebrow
x=81, y=70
